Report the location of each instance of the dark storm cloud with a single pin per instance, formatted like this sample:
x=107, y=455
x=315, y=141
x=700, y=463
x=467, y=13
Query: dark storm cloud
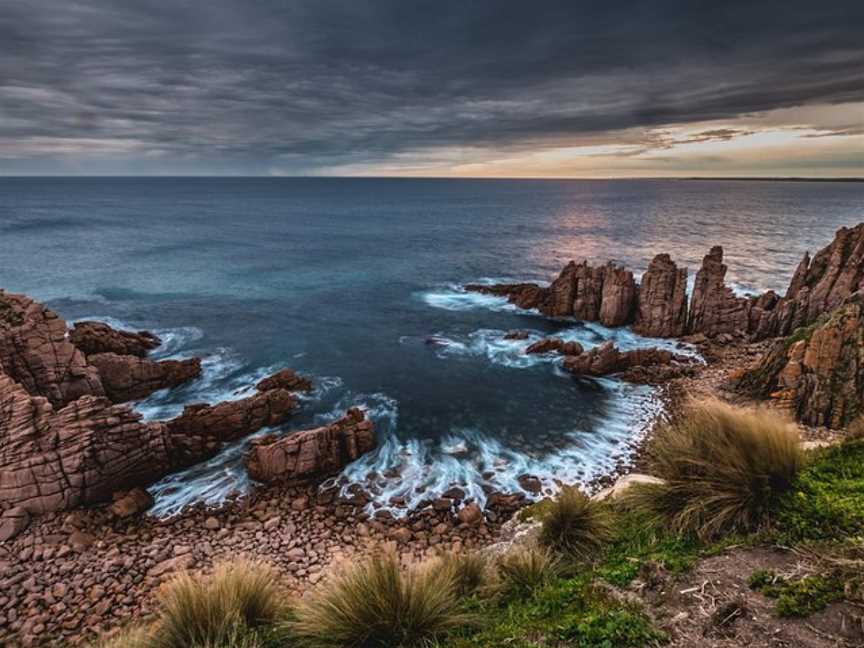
x=302, y=86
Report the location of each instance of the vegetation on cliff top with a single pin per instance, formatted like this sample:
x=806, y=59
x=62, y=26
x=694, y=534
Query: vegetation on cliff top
x=551, y=596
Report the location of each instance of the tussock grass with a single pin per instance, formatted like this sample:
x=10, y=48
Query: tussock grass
x=725, y=469
x=471, y=572
x=575, y=525
x=524, y=570
x=131, y=637
x=220, y=609
x=377, y=604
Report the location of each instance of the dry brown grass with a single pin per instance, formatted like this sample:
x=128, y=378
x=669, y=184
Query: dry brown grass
x=379, y=603
x=724, y=469
x=218, y=610
x=472, y=572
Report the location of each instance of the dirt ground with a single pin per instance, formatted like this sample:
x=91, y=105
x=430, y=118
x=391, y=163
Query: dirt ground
x=712, y=606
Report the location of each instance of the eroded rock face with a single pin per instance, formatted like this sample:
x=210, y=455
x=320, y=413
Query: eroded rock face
x=53, y=460
x=35, y=353
x=714, y=307
x=818, y=372
x=662, y=310
x=818, y=286
x=128, y=377
x=91, y=448
x=311, y=453
x=97, y=337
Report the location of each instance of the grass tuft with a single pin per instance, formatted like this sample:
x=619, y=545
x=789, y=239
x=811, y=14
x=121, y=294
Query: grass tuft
x=471, y=572
x=379, y=603
x=574, y=525
x=724, y=468
x=218, y=610
x=524, y=570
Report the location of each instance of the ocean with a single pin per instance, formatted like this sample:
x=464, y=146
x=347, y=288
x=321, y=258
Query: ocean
x=356, y=283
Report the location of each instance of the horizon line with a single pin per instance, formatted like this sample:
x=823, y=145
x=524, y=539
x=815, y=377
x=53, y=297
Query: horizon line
x=408, y=177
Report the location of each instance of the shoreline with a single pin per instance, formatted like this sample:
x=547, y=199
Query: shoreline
x=112, y=567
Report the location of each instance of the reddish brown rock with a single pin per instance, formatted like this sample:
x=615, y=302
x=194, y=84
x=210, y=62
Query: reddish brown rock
x=97, y=337
x=311, y=453
x=133, y=502
x=619, y=296
x=470, y=515
x=818, y=372
x=202, y=429
x=714, y=307
x=35, y=353
x=82, y=453
x=12, y=522
x=523, y=295
x=662, y=309
x=607, y=359
x=548, y=345
x=285, y=379
x=516, y=335
x=128, y=377
x=53, y=460
x=818, y=286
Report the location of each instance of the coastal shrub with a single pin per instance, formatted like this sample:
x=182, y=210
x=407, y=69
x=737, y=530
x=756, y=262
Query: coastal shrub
x=471, y=572
x=799, y=597
x=575, y=525
x=827, y=501
x=220, y=609
x=379, y=603
x=724, y=468
x=524, y=570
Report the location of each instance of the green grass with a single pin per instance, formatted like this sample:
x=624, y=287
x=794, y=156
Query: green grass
x=798, y=597
x=569, y=612
x=827, y=500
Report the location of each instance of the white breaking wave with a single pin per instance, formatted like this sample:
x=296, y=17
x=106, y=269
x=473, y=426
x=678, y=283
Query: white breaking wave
x=413, y=471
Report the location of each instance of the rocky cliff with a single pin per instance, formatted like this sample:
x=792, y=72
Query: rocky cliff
x=658, y=306
x=818, y=372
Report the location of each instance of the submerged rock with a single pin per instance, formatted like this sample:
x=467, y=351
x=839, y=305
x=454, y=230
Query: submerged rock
x=311, y=453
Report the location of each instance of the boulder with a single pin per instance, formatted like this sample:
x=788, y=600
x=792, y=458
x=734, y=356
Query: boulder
x=35, y=353
x=516, y=335
x=549, y=345
x=129, y=377
x=607, y=359
x=130, y=503
x=662, y=308
x=97, y=337
x=285, y=379
x=12, y=522
x=524, y=295
x=311, y=453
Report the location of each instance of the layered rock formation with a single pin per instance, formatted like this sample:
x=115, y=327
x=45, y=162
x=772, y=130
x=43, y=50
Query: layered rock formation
x=659, y=306
x=97, y=337
x=662, y=310
x=608, y=359
x=548, y=345
x=35, y=353
x=84, y=452
x=311, y=453
x=818, y=372
x=64, y=439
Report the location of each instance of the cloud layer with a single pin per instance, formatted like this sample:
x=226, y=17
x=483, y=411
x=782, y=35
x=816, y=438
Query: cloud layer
x=231, y=86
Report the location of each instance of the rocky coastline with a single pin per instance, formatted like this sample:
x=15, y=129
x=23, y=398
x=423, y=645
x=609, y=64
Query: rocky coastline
x=78, y=555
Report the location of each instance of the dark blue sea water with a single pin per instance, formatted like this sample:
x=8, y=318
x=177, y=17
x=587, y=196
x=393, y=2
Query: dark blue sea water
x=347, y=279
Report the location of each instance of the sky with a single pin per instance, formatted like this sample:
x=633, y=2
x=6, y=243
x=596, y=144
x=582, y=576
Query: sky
x=498, y=88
